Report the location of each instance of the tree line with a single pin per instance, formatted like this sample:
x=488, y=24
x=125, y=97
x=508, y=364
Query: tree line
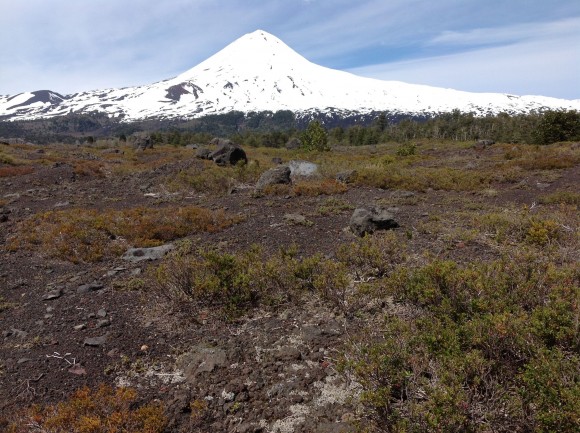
x=536, y=128
x=275, y=129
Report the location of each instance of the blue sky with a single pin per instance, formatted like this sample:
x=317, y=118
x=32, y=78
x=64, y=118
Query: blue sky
x=510, y=46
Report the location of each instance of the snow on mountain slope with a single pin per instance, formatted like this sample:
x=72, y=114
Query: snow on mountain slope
x=259, y=72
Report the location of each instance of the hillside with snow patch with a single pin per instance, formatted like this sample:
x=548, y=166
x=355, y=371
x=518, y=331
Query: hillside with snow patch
x=258, y=72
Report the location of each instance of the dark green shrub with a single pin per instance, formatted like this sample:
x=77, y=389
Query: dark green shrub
x=552, y=391
x=558, y=126
x=315, y=137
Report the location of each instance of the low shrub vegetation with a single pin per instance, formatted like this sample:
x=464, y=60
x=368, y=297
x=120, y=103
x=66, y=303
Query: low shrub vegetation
x=561, y=197
x=334, y=206
x=234, y=283
x=490, y=347
x=99, y=411
x=90, y=235
x=313, y=188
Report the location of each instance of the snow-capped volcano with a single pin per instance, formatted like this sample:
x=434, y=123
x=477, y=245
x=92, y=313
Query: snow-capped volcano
x=258, y=72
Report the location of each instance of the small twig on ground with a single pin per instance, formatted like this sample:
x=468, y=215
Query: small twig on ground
x=59, y=356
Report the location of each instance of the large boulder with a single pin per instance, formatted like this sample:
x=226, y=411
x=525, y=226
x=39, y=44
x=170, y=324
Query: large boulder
x=228, y=153
x=368, y=220
x=275, y=176
x=302, y=169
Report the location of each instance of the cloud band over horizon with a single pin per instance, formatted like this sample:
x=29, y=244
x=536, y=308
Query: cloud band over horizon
x=518, y=47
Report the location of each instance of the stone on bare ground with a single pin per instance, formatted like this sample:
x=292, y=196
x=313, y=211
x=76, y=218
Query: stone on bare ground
x=201, y=359
x=90, y=287
x=53, y=294
x=96, y=341
x=297, y=219
x=141, y=254
x=368, y=220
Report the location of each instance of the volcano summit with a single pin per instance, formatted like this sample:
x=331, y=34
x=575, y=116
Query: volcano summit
x=259, y=72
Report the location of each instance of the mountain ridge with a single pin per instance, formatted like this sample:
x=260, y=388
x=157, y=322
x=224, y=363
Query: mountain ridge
x=259, y=72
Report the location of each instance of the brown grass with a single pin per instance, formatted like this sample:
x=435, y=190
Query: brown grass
x=312, y=188
x=90, y=235
x=100, y=411
x=89, y=169
x=13, y=171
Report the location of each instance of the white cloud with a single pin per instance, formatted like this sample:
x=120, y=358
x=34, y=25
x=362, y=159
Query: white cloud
x=68, y=46
x=549, y=68
x=508, y=34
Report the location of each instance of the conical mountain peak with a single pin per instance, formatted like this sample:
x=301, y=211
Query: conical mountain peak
x=258, y=51
x=259, y=72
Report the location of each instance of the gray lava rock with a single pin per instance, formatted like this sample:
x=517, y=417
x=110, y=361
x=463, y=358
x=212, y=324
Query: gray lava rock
x=203, y=153
x=54, y=294
x=275, y=176
x=369, y=220
x=288, y=353
x=346, y=176
x=298, y=219
x=103, y=323
x=91, y=287
x=96, y=341
x=141, y=254
x=228, y=153
x=201, y=359
x=18, y=333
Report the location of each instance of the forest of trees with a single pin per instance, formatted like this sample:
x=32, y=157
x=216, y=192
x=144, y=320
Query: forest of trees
x=275, y=129
x=545, y=128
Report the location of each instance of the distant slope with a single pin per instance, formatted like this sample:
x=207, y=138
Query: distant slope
x=258, y=72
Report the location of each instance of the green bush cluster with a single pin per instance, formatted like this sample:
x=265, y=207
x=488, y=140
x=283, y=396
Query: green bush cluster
x=558, y=125
x=234, y=283
x=484, y=347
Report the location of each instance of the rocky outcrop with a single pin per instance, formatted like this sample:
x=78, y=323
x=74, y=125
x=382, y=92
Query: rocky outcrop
x=368, y=220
